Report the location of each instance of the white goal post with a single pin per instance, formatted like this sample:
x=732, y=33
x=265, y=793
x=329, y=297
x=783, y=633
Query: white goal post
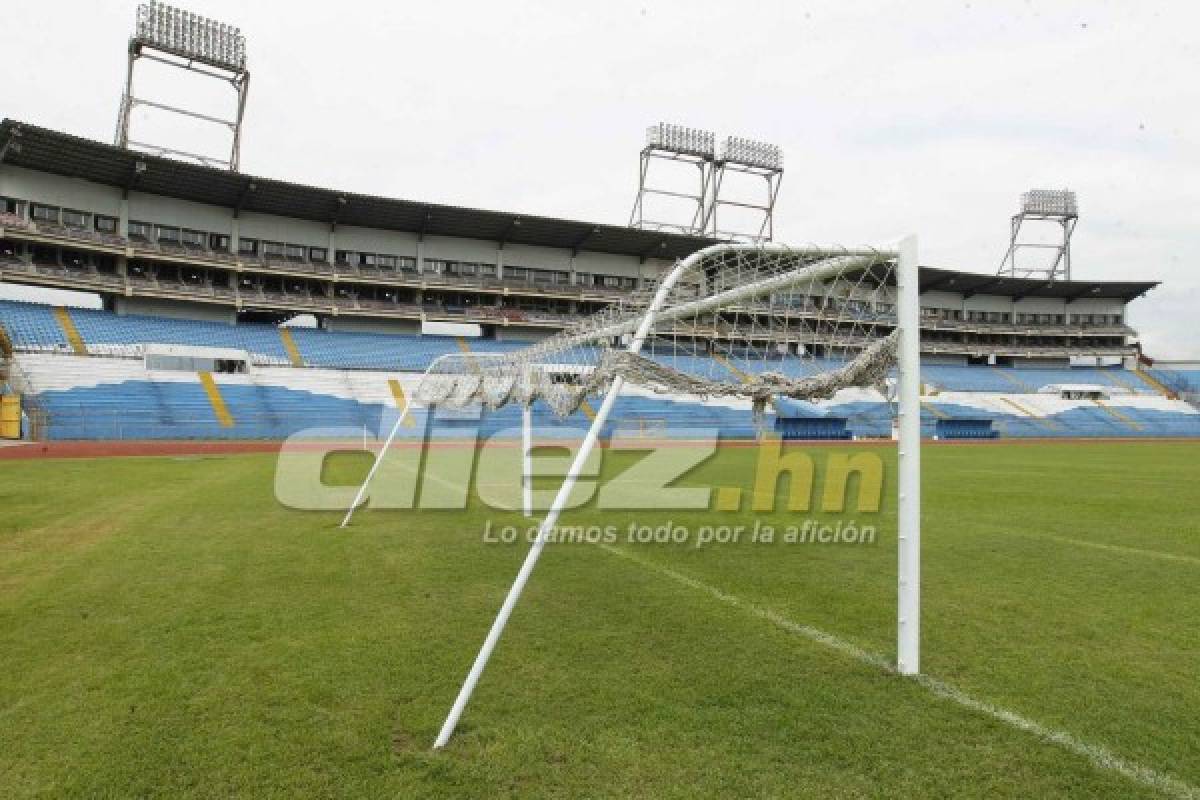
x=696, y=298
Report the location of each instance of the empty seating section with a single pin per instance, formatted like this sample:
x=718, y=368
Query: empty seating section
x=347, y=382
x=1177, y=380
x=410, y=352
x=1028, y=379
x=104, y=332
x=110, y=398
x=33, y=327
x=159, y=410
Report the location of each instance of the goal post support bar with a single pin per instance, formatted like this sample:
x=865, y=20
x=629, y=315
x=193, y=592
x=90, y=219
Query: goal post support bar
x=362, y=490
x=908, y=513
x=551, y=519
x=527, y=460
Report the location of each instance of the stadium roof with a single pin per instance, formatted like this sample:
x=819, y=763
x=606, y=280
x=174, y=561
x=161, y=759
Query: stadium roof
x=51, y=151
x=972, y=283
x=45, y=150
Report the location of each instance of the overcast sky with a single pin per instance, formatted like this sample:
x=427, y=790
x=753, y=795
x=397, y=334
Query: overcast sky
x=894, y=117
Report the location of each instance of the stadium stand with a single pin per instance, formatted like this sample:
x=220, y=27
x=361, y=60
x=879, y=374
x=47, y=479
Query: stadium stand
x=316, y=378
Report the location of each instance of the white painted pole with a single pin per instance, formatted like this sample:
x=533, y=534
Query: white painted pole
x=531, y=559
x=362, y=490
x=908, y=601
x=527, y=459
x=560, y=499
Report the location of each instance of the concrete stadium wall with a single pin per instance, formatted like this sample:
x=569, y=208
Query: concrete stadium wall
x=57, y=190
x=1028, y=305
x=363, y=325
x=175, y=309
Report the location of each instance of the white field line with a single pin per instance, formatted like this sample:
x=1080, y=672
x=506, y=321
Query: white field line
x=1099, y=755
x=1118, y=548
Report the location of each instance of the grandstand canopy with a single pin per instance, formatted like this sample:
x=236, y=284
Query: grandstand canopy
x=50, y=151
x=969, y=284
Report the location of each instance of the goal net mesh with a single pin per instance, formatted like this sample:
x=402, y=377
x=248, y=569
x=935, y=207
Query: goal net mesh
x=758, y=322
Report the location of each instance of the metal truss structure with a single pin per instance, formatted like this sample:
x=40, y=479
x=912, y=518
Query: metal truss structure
x=678, y=144
x=202, y=46
x=748, y=157
x=1055, y=206
x=675, y=145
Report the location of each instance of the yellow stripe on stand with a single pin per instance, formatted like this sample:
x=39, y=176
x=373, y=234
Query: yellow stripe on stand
x=1111, y=375
x=289, y=344
x=214, y=398
x=70, y=331
x=932, y=409
x=401, y=401
x=727, y=364
x=472, y=364
x=1023, y=387
x=1154, y=383
x=1027, y=413
x=587, y=410
x=1123, y=417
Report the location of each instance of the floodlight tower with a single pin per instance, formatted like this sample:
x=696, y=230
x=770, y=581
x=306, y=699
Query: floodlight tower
x=677, y=144
x=1057, y=206
x=200, y=45
x=748, y=157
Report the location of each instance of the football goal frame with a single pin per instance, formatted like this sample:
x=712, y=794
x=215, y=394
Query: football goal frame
x=634, y=329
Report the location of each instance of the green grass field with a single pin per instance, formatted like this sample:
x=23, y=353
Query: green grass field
x=167, y=629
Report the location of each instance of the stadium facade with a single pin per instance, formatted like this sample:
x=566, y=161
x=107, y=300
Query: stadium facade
x=198, y=266
x=152, y=235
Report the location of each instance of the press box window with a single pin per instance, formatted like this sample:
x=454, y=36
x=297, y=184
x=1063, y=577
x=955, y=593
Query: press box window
x=75, y=219
x=248, y=247
x=140, y=230
x=41, y=213
x=105, y=224
x=196, y=364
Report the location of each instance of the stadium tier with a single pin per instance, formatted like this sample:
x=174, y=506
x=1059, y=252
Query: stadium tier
x=197, y=269
x=153, y=236
x=93, y=374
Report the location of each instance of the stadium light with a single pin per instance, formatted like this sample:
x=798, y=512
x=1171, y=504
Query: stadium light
x=682, y=139
x=189, y=35
x=1055, y=202
x=200, y=45
x=751, y=153
x=1042, y=207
